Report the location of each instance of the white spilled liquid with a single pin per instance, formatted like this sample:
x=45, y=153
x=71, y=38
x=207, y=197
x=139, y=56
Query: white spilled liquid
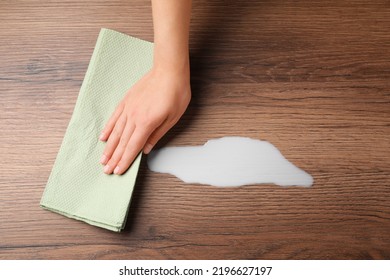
x=229, y=162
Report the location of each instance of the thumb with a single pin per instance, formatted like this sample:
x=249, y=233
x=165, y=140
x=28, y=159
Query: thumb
x=156, y=136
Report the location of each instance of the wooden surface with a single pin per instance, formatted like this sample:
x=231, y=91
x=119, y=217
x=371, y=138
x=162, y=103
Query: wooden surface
x=311, y=77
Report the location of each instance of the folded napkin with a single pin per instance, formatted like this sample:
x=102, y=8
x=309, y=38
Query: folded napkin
x=77, y=186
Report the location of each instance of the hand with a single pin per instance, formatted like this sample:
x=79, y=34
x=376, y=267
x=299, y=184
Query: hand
x=148, y=110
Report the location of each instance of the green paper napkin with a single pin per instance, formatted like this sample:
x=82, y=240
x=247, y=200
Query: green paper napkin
x=77, y=186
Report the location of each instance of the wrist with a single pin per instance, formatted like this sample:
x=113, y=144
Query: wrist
x=171, y=57
x=177, y=65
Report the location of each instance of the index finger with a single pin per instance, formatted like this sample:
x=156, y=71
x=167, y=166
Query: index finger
x=134, y=146
x=111, y=123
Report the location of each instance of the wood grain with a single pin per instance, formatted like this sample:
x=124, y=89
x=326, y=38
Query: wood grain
x=311, y=77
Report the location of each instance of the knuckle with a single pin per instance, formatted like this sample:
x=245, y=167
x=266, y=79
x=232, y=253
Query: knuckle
x=120, y=106
x=121, y=146
x=108, y=150
x=123, y=164
x=146, y=122
x=113, y=161
x=154, y=138
x=115, y=134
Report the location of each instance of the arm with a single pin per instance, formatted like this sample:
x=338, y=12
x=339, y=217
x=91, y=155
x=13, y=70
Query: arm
x=156, y=102
x=171, y=22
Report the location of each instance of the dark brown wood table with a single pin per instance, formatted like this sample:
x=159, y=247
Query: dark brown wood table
x=311, y=77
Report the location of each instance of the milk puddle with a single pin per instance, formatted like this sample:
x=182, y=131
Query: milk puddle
x=229, y=162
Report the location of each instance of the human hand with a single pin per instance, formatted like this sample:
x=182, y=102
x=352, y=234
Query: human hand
x=148, y=110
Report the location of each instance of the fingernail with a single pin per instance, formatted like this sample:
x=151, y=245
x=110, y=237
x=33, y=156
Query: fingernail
x=116, y=170
x=106, y=168
x=101, y=137
x=103, y=159
x=148, y=148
